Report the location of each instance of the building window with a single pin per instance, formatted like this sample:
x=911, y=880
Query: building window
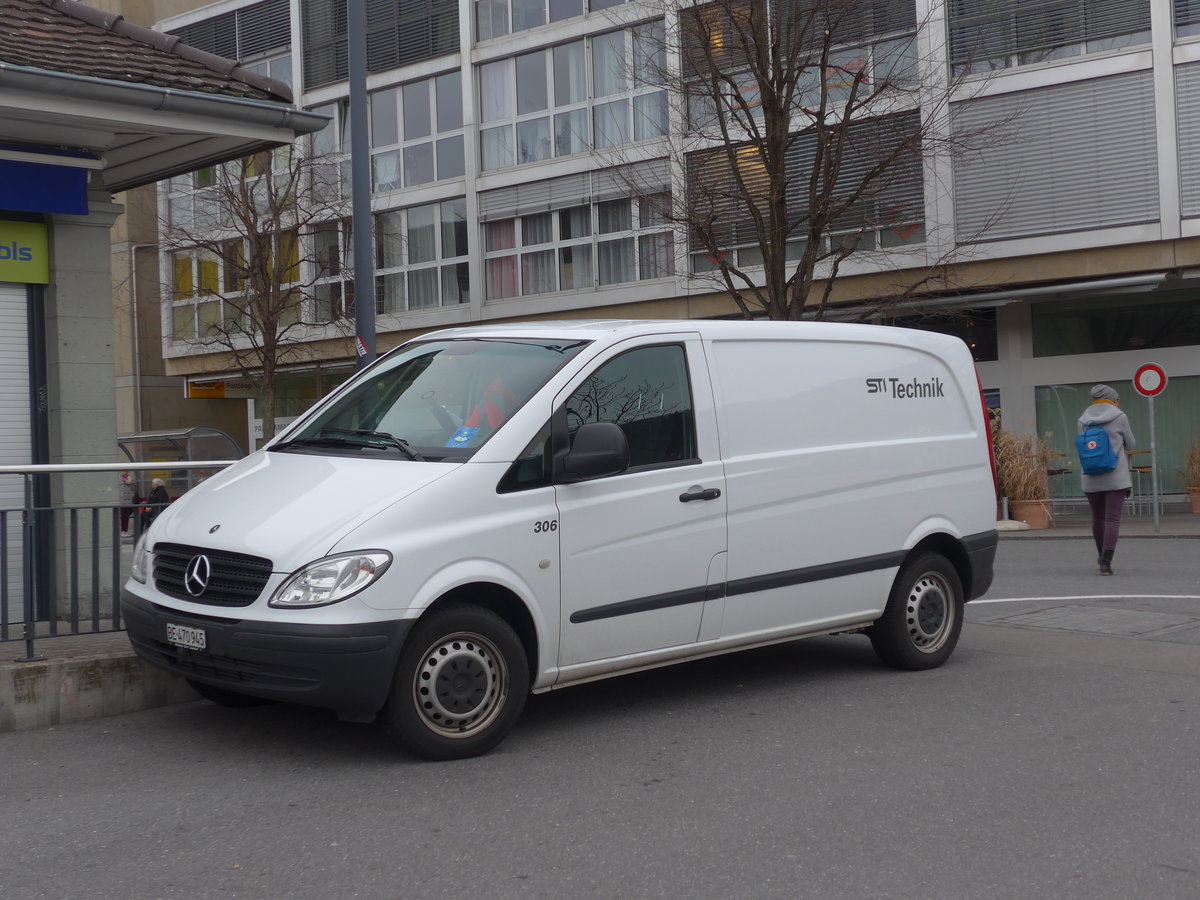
x=208, y=297
x=496, y=18
x=873, y=47
x=539, y=105
x=277, y=67
x=1008, y=33
x=889, y=214
x=417, y=133
x=247, y=34
x=332, y=248
x=1187, y=18
x=397, y=34
x=578, y=247
x=421, y=257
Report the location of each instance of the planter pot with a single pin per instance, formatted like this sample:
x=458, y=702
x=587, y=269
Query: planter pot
x=1035, y=512
x=1194, y=497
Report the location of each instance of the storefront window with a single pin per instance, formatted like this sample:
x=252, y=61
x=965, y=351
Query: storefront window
x=977, y=328
x=1176, y=423
x=1111, y=324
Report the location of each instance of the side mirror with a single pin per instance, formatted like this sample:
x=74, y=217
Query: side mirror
x=600, y=449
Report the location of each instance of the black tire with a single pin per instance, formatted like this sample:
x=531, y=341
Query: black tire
x=460, y=685
x=223, y=697
x=923, y=618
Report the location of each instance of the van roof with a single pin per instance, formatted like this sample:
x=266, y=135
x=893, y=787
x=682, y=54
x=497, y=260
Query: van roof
x=714, y=329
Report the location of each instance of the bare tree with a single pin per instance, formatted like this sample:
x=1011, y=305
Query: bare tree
x=256, y=248
x=809, y=128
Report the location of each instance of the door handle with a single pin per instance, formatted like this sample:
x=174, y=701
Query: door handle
x=700, y=494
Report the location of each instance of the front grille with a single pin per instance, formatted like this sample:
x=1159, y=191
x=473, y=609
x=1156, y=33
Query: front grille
x=232, y=671
x=193, y=662
x=236, y=579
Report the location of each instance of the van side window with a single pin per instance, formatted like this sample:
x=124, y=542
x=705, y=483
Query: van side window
x=647, y=392
x=532, y=467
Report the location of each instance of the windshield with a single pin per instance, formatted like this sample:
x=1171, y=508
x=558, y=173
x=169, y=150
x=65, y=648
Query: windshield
x=437, y=400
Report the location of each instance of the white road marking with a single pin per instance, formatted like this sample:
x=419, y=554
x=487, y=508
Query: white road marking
x=1089, y=597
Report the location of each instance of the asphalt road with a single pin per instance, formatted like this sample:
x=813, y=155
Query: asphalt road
x=1054, y=756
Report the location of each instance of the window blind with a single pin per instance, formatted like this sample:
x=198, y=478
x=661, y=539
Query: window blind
x=892, y=197
x=1187, y=16
x=534, y=197
x=399, y=32
x=641, y=178
x=1065, y=158
x=980, y=31
x=243, y=34
x=1187, y=111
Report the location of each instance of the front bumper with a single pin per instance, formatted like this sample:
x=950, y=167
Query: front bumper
x=348, y=668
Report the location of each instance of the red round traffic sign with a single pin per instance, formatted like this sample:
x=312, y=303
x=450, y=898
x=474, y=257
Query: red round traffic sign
x=1149, y=380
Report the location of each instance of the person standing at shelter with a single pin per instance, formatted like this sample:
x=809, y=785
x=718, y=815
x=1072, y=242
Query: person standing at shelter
x=1106, y=493
x=126, y=499
x=155, y=503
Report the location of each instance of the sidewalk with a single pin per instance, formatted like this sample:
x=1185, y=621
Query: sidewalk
x=95, y=675
x=1176, y=521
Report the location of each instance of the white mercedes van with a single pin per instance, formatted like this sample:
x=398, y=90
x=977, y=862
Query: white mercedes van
x=489, y=511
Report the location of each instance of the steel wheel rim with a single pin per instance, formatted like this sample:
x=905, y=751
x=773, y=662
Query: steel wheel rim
x=461, y=684
x=930, y=612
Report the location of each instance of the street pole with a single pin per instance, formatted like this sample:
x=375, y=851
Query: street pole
x=360, y=178
x=1153, y=464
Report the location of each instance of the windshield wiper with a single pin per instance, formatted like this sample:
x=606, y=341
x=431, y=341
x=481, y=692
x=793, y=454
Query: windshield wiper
x=360, y=436
x=381, y=436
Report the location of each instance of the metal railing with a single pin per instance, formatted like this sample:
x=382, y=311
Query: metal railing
x=73, y=559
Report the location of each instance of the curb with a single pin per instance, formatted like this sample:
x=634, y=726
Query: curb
x=56, y=691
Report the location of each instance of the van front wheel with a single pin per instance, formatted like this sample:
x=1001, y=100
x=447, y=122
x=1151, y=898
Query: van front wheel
x=460, y=685
x=920, y=625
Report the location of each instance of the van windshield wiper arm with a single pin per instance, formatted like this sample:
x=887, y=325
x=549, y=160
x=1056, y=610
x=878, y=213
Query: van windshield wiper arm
x=382, y=437
x=360, y=436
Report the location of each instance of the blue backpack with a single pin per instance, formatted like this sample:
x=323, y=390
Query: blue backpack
x=1096, y=455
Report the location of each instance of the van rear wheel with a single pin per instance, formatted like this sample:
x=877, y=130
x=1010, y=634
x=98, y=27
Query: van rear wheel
x=921, y=623
x=460, y=684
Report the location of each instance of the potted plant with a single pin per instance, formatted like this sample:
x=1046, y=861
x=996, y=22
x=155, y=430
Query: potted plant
x=1021, y=476
x=1191, y=473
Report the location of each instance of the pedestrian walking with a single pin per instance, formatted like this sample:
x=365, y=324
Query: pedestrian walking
x=125, y=497
x=1106, y=491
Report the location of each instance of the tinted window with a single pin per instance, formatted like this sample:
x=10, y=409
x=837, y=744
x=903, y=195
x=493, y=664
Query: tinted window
x=647, y=393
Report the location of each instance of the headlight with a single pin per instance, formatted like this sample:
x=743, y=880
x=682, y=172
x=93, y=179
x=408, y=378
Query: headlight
x=331, y=579
x=139, y=567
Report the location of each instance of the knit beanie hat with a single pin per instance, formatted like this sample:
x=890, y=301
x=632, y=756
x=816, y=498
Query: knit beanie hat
x=1104, y=392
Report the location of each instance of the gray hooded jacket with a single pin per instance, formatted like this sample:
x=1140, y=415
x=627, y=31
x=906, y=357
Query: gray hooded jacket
x=1116, y=423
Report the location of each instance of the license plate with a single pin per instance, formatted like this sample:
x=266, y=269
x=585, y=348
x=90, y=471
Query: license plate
x=187, y=637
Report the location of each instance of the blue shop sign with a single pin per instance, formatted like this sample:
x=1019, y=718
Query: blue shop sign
x=42, y=188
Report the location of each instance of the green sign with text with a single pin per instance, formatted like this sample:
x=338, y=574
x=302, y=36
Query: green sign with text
x=24, y=253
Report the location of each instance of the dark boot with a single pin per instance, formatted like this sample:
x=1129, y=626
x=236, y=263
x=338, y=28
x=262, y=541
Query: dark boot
x=1106, y=562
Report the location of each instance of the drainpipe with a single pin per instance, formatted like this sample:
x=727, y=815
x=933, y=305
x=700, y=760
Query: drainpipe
x=136, y=331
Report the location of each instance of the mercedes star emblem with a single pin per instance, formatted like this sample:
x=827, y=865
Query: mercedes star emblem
x=195, y=578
